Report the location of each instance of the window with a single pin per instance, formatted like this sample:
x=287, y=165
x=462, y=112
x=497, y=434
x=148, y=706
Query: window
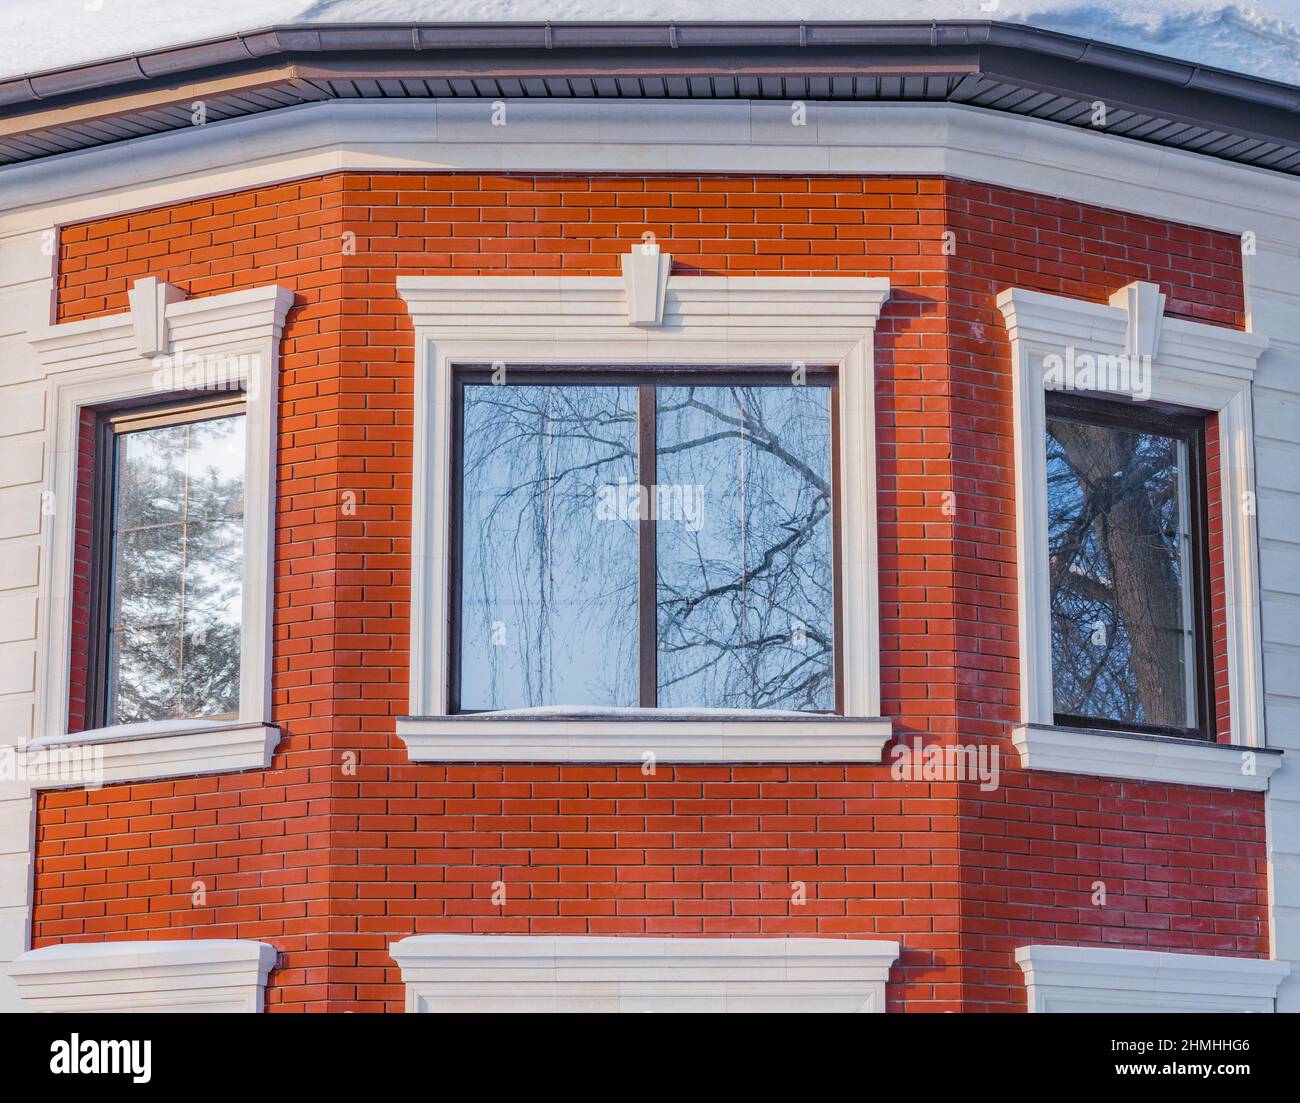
x=470, y=693
x=1136, y=704
x=629, y=538
x=200, y=701
x=1127, y=560
x=167, y=563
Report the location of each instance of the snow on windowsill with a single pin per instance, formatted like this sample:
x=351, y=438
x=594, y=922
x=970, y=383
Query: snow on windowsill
x=147, y=729
x=604, y=712
x=586, y=733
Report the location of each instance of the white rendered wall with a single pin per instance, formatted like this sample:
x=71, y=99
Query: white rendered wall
x=26, y=270
x=1273, y=292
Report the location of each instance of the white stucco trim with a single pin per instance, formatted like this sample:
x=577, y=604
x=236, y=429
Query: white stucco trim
x=1200, y=366
x=1101, y=980
x=1144, y=758
x=520, y=973
x=228, y=341
x=709, y=321
x=209, y=975
x=577, y=135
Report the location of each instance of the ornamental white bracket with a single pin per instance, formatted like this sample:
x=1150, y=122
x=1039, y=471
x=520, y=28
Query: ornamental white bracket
x=737, y=322
x=645, y=273
x=1144, y=303
x=1100, y=349
x=149, y=300
x=522, y=973
x=210, y=975
x=1102, y=980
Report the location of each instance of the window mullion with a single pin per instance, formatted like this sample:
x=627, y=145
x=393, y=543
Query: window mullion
x=647, y=626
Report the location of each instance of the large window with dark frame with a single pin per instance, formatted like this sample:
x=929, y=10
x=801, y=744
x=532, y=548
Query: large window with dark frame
x=1128, y=554
x=630, y=538
x=167, y=562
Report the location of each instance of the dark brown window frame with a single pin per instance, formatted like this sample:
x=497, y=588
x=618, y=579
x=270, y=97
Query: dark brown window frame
x=646, y=380
x=110, y=423
x=1187, y=426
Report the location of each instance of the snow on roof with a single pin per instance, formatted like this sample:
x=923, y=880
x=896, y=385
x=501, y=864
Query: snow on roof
x=1262, y=39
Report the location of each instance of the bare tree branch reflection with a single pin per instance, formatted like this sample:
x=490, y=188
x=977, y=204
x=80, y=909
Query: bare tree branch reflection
x=744, y=596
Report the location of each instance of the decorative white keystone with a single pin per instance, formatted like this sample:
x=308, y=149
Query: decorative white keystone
x=1145, y=303
x=150, y=298
x=645, y=272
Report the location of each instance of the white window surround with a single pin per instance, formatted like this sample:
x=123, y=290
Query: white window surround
x=229, y=341
x=1194, y=365
x=1100, y=980
x=208, y=975
x=587, y=320
x=522, y=973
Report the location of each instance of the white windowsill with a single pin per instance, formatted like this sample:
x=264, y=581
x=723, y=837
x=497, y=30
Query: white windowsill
x=162, y=749
x=628, y=735
x=209, y=975
x=1144, y=757
x=581, y=973
x=1104, y=980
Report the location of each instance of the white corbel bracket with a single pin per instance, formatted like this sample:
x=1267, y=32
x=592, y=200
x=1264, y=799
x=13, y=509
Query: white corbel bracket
x=645, y=275
x=150, y=298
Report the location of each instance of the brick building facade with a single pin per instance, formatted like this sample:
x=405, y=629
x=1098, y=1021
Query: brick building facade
x=344, y=844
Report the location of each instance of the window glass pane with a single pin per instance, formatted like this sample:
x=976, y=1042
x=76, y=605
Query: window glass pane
x=213, y=589
x=150, y=478
x=145, y=673
x=548, y=547
x=1118, y=555
x=147, y=572
x=745, y=570
x=177, y=570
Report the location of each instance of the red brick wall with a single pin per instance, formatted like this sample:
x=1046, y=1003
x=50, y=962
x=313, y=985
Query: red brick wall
x=331, y=865
x=122, y=862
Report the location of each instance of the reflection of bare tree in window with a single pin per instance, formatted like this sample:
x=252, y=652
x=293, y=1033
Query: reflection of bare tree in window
x=1116, y=573
x=549, y=589
x=746, y=602
x=177, y=571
